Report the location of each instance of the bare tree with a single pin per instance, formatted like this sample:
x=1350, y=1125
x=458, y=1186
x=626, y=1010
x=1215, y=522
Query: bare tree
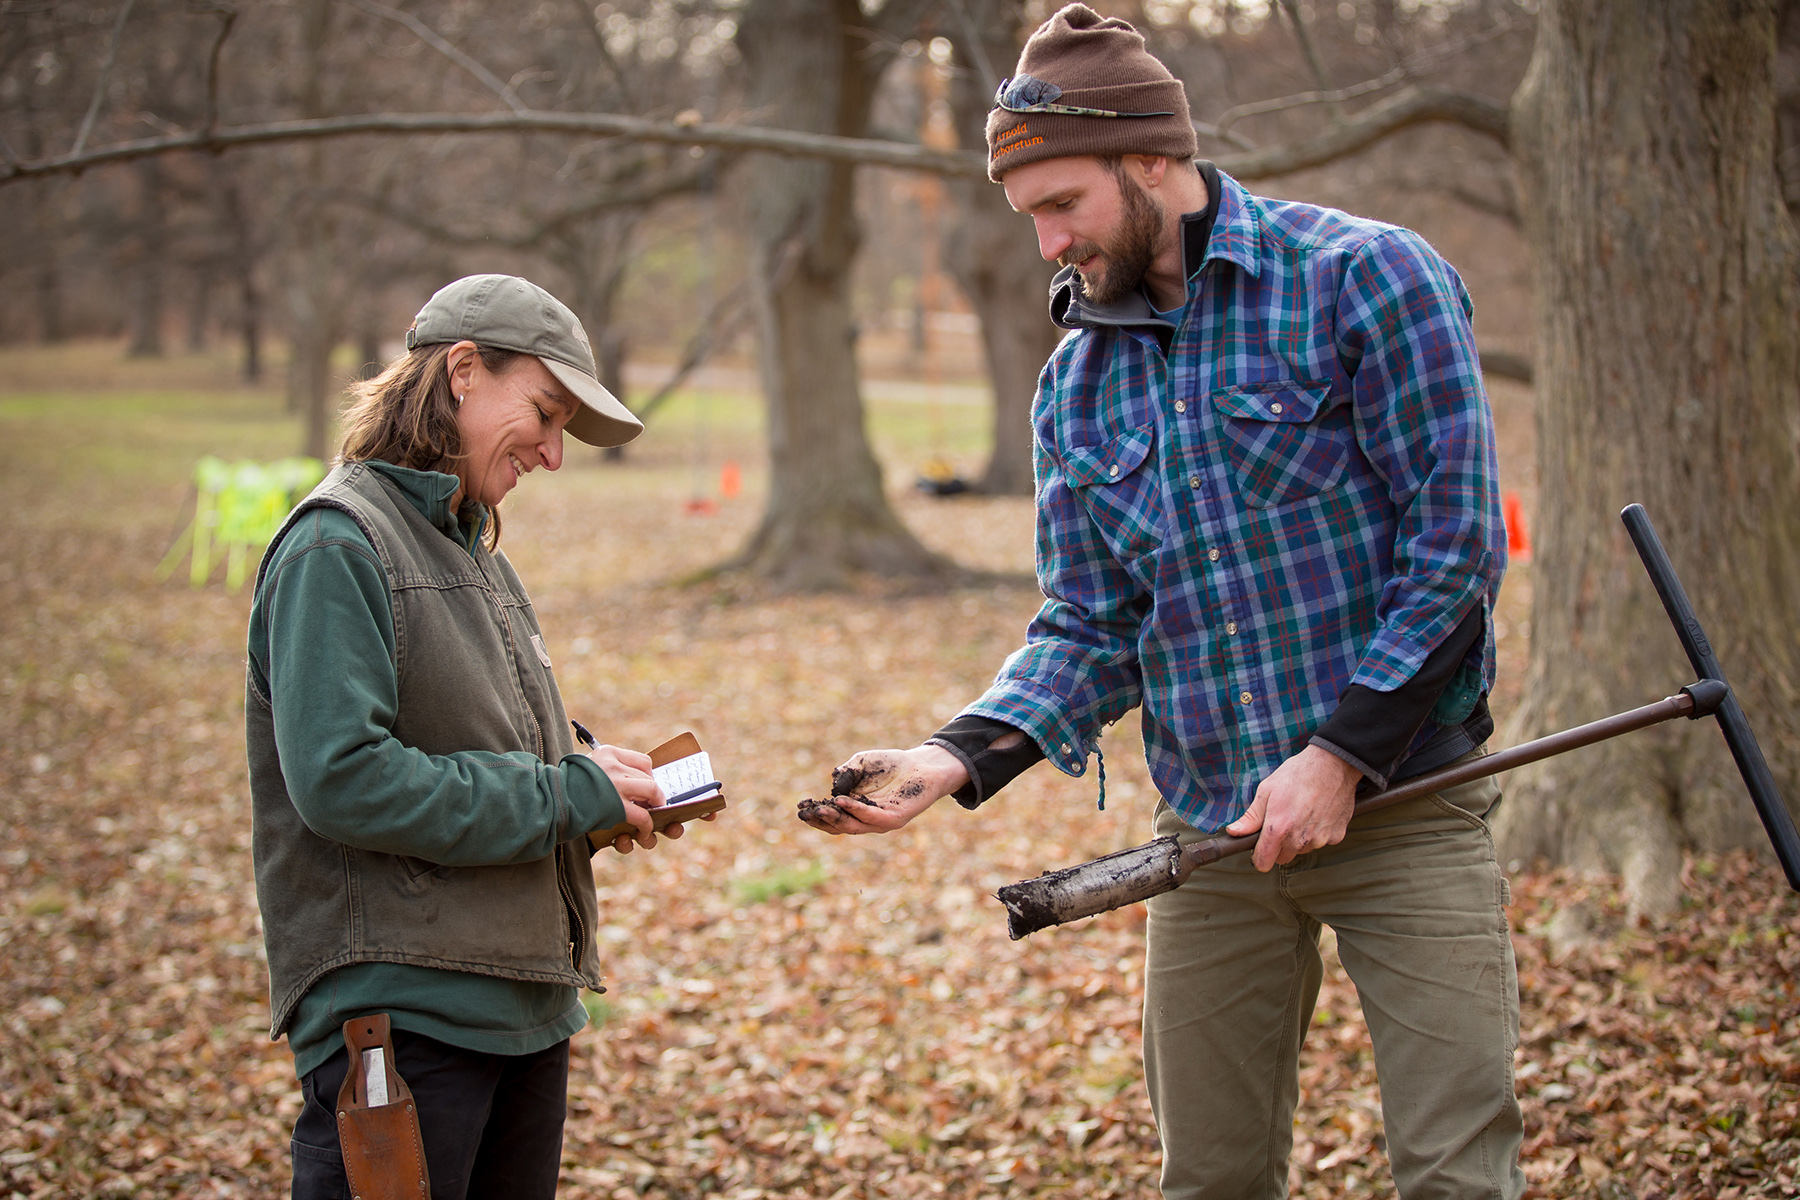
x=1668, y=359
x=1668, y=372
x=315, y=296
x=991, y=250
x=813, y=66
x=146, y=266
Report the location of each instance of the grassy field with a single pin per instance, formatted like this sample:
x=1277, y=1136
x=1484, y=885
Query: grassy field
x=787, y=1015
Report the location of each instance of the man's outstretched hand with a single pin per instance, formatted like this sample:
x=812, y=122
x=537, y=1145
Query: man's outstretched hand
x=878, y=791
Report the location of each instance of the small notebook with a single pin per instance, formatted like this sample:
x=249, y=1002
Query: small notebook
x=684, y=772
x=683, y=769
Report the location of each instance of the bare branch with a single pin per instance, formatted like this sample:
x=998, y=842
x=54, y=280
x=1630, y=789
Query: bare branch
x=431, y=38
x=1413, y=106
x=157, y=123
x=718, y=329
x=1495, y=197
x=1412, y=66
x=601, y=49
x=1311, y=53
x=1499, y=203
x=728, y=137
x=1238, y=112
x=112, y=56
x=977, y=50
x=1220, y=134
x=227, y=15
x=678, y=183
x=898, y=20
x=608, y=199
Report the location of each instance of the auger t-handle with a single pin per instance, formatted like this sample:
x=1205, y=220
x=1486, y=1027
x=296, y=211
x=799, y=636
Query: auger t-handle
x=1732, y=722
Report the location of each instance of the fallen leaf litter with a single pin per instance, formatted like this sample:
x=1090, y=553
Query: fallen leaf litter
x=788, y=1015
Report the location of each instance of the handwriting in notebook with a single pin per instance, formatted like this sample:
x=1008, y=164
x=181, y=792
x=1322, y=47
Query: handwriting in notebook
x=684, y=774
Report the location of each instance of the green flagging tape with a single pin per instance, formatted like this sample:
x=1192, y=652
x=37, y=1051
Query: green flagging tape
x=237, y=506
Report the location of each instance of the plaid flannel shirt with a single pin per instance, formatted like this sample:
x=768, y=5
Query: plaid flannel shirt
x=1302, y=494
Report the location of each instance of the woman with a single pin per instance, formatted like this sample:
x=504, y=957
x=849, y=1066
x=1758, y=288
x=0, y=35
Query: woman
x=420, y=812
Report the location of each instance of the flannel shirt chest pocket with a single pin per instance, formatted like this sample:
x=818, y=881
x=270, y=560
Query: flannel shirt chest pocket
x=1284, y=443
x=1120, y=489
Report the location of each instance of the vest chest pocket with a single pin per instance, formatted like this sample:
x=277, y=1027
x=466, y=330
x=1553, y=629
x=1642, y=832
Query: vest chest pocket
x=1120, y=492
x=1284, y=444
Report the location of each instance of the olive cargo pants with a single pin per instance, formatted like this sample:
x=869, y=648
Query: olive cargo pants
x=1417, y=901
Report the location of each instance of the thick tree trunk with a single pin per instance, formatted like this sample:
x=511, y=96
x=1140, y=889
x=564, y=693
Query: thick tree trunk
x=311, y=383
x=242, y=273
x=250, y=324
x=813, y=67
x=1668, y=276
x=146, y=286
x=993, y=254
x=47, y=277
x=200, y=310
x=610, y=352
x=316, y=312
x=610, y=348
x=368, y=348
x=49, y=304
x=593, y=258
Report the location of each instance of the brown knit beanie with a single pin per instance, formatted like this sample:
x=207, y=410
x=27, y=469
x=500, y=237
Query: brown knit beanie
x=1079, y=59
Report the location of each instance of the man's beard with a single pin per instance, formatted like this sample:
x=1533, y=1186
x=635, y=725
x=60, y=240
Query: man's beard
x=1130, y=251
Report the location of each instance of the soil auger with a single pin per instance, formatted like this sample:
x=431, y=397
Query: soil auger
x=1144, y=871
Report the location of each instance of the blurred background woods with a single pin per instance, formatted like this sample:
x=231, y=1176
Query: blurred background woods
x=773, y=218
x=1615, y=181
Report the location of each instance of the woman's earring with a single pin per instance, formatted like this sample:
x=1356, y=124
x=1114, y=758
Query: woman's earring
x=461, y=398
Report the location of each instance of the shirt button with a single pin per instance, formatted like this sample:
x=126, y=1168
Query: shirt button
x=1213, y=555
x=1231, y=627
x=1113, y=470
x=1181, y=406
x=1243, y=697
x=1275, y=408
x=1065, y=748
x=1193, y=481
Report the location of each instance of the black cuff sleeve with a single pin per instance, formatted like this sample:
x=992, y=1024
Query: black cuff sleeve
x=1372, y=730
x=971, y=739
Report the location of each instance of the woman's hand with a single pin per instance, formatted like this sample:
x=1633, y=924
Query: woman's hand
x=629, y=771
x=645, y=834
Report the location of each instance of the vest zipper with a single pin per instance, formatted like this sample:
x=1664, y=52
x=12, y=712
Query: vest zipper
x=579, y=945
x=512, y=647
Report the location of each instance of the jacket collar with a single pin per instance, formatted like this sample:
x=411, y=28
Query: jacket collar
x=429, y=492
x=1226, y=228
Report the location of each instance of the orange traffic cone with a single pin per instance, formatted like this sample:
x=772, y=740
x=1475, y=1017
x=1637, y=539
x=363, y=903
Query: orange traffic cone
x=1518, y=541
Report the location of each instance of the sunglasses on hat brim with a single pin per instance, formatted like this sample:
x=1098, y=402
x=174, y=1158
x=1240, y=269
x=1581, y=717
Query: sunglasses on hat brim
x=1005, y=96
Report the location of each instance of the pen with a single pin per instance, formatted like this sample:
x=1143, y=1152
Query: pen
x=587, y=739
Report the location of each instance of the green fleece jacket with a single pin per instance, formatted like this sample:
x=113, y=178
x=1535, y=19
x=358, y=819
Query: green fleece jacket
x=322, y=648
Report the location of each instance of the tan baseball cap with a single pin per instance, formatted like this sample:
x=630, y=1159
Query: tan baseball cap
x=504, y=312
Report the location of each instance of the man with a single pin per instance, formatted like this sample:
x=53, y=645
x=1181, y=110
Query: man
x=1268, y=512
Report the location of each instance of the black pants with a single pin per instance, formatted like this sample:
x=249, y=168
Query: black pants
x=492, y=1123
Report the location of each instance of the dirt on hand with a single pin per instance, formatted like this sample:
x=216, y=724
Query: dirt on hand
x=847, y=779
